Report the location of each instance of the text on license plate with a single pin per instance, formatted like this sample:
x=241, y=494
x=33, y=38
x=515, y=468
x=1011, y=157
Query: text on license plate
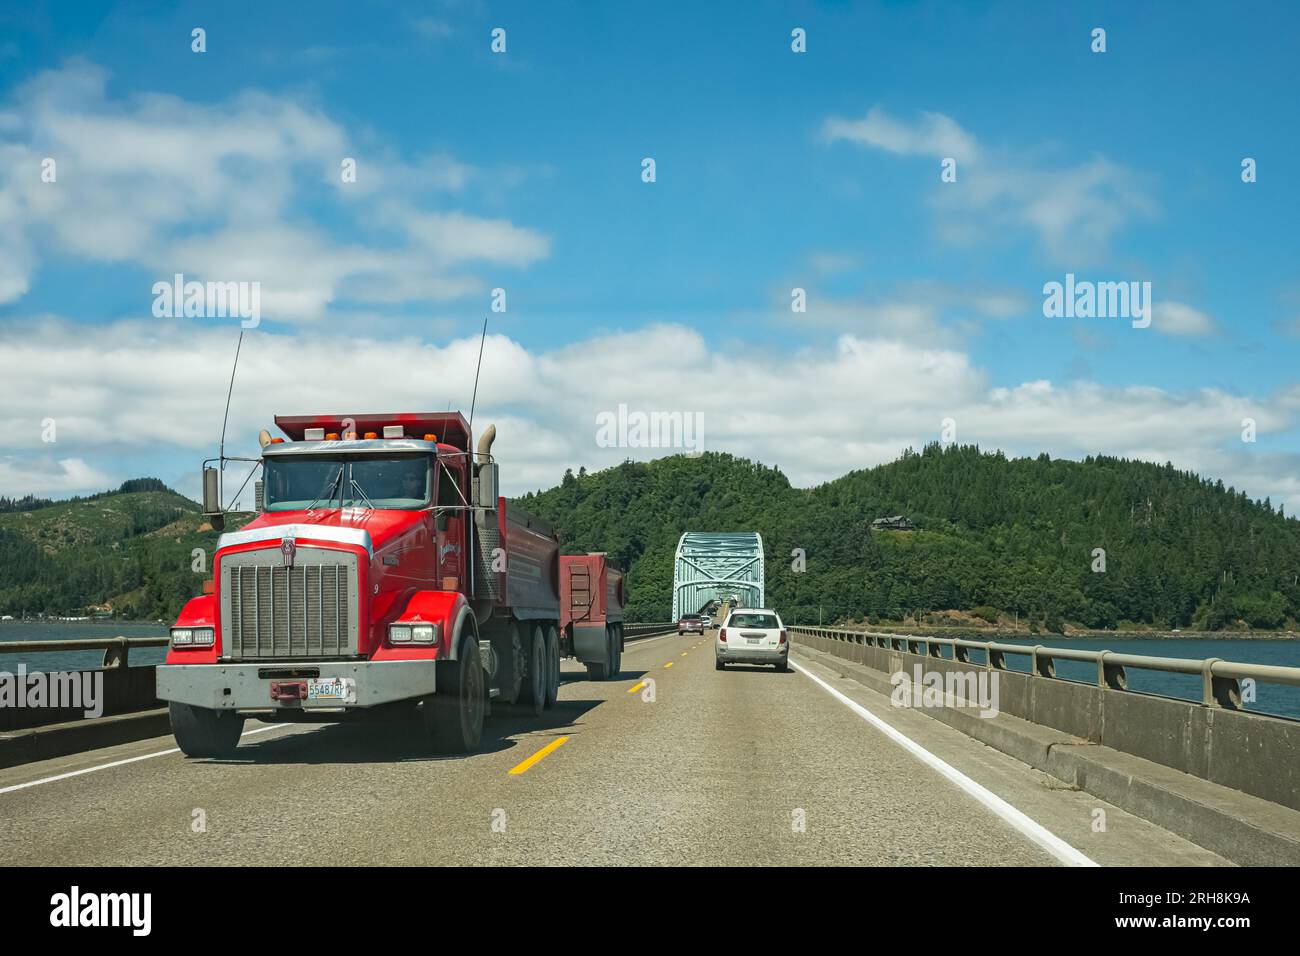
x=754, y=640
x=332, y=688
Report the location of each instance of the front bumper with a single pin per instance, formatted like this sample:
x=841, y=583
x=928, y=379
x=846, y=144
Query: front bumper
x=753, y=655
x=248, y=686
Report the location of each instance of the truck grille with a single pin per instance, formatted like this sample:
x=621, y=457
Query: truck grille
x=269, y=611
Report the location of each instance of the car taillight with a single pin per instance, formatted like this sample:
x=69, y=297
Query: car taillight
x=722, y=635
x=782, y=641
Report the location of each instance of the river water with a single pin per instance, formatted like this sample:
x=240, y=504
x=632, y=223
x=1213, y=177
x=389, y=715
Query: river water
x=1270, y=698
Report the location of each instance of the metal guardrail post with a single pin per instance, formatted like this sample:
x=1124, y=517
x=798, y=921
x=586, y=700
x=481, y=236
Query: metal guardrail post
x=1219, y=691
x=116, y=653
x=1111, y=675
x=1042, y=664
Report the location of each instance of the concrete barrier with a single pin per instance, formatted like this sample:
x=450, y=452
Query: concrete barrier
x=1254, y=753
x=124, y=690
x=59, y=740
x=1240, y=827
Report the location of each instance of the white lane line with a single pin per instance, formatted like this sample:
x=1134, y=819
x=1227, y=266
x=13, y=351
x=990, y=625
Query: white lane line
x=1045, y=838
x=119, y=763
x=645, y=642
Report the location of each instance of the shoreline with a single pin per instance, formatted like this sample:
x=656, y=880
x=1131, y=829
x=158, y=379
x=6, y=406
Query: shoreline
x=1000, y=633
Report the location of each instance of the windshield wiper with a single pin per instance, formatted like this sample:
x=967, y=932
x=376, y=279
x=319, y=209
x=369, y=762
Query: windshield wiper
x=335, y=482
x=353, y=486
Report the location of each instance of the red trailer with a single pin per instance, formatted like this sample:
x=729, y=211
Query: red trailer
x=383, y=573
x=591, y=612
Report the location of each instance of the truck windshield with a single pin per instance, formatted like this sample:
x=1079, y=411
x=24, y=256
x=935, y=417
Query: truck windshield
x=293, y=483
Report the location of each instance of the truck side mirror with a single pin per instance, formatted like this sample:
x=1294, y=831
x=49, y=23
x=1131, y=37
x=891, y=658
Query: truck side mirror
x=257, y=494
x=212, y=498
x=485, y=486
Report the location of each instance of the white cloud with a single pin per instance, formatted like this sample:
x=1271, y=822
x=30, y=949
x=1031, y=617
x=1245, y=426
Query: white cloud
x=141, y=390
x=55, y=478
x=933, y=135
x=216, y=191
x=1074, y=210
x=920, y=312
x=1175, y=318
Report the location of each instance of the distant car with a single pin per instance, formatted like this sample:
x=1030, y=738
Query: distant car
x=690, y=622
x=706, y=620
x=752, y=636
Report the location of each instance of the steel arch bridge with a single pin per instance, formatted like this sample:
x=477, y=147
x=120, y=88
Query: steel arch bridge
x=713, y=565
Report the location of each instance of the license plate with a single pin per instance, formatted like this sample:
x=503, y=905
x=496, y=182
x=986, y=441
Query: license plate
x=754, y=640
x=342, y=689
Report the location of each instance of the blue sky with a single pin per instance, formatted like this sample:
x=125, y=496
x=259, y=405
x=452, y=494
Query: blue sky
x=775, y=170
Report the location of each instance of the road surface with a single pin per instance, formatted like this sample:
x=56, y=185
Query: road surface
x=673, y=764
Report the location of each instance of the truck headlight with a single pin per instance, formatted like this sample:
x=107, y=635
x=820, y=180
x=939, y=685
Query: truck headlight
x=193, y=636
x=413, y=633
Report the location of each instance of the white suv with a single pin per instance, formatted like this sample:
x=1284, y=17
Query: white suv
x=752, y=636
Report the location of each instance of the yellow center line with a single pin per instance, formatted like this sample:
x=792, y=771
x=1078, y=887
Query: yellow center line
x=633, y=690
x=669, y=664
x=553, y=745
x=684, y=653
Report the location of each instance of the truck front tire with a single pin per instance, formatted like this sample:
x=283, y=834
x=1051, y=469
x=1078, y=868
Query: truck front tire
x=201, y=732
x=453, y=717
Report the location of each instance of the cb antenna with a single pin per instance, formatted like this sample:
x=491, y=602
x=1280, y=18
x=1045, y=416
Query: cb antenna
x=229, y=392
x=474, y=399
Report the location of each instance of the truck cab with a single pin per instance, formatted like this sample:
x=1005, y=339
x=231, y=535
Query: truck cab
x=382, y=574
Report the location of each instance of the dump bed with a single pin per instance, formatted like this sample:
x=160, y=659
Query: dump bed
x=529, y=585
x=591, y=590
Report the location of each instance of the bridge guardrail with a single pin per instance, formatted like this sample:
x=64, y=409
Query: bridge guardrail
x=1220, y=679
x=635, y=632
x=116, y=649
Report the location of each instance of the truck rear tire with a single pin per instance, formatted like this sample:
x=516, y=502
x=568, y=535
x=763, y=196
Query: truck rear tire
x=607, y=669
x=533, y=694
x=453, y=717
x=201, y=732
x=552, y=666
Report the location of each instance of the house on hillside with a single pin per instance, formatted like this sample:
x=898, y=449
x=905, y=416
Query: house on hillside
x=894, y=523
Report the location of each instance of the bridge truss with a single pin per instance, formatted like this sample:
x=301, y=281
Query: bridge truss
x=716, y=565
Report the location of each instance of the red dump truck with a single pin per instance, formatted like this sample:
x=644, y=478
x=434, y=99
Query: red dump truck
x=383, y=575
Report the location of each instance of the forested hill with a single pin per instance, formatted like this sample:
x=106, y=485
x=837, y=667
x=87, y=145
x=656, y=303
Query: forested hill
x=128, y=550
x=1003, y=538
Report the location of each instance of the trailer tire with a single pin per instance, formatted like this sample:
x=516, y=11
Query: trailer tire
x=453, y=717
x=615, y=652
x=533, y=694
x=552, y=666
x=202, y=732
